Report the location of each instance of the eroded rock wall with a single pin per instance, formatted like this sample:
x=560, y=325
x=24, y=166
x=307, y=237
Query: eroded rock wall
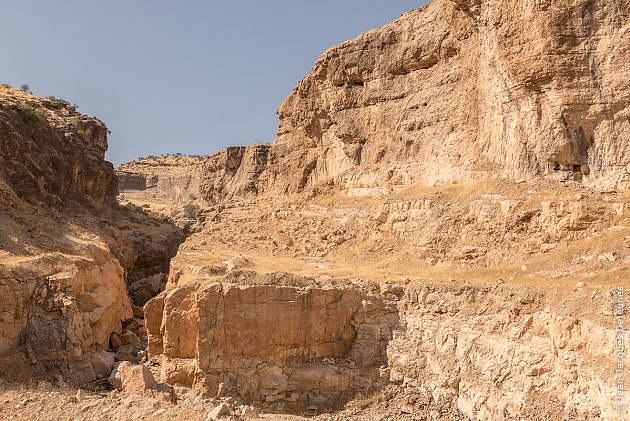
x=67, y=249
x=490, y=352
x=510, y=352
x=49, y=152
x=286, y=342
x=465, y=89
x=174, y=178
x=458, y=90
x=234, y=172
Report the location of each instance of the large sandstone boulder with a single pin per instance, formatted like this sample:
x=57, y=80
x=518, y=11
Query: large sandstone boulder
x=270, y=339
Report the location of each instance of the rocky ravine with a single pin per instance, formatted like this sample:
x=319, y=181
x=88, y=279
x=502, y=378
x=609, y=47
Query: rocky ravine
x=457, y=180
x=440, y=231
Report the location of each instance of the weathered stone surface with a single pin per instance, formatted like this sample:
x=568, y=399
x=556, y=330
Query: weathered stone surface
x=76, y=311
x=266, y=341
x=505, y=353
x=128, y=180
x=175, y=178
x=460, y=90
x=132, y=379
x=66, y=248
x=50, y=152
x=235, y=171
x=219, y=411
x=457, y=90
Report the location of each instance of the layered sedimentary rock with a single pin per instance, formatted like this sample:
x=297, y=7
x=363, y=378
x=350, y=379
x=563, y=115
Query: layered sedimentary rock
x=235, y=171
x=457, y=90
x=465, y=89
x=66, y=249
x=50, y=152
x=271, y=339
x=171, y=177
x=292, y=344
x=502, y=352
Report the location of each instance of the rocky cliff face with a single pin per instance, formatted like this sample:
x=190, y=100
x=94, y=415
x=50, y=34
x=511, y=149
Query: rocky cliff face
x=52, y=153
x=292, y=344
x=493, y=299
x=272, y=339
x=465, y=89
x=530, y=97
x=175, y=178
x=455, y=91
x=67, y=250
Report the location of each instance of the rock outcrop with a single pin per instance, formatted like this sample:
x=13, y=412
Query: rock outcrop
x=175, y=178
x=234, y=172
x=51, y=153
x=456, y=91
x=67, y=249
x=274, y=339
x=446, y=201
x=295, y=344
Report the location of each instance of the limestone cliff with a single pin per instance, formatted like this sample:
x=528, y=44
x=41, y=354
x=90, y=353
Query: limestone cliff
x=462, y=90
x=175, y=178
x=50, y=152
x=489, y=296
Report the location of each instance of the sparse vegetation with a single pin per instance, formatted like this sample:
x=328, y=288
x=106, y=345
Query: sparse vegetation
x=191, y=210
x=26, y=88
x=59, y=101
x=80, y=125
x=32, y=113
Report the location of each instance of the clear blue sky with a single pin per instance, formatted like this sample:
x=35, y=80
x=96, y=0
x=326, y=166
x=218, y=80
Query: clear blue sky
x=188, y=76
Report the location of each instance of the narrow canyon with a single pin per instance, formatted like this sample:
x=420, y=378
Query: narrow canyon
x=440, y=231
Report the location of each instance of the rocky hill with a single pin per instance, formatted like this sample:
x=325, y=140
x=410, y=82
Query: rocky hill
x=67, y=251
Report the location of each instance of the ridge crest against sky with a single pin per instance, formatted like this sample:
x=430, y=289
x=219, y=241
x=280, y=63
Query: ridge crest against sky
x=166, y=77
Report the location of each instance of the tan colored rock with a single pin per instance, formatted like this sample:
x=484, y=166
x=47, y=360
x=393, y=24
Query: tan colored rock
x=261, y=338
x=219, y=411
x=172, y=177
x=236, y=262
x=456, y=90
x=66, y=248
x=132, y=379
x=103, y=363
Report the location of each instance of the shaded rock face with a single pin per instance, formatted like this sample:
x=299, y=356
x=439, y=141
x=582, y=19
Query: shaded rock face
x=51, y=153
x=131, y=181
x=235, y=171
x=269, y=343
